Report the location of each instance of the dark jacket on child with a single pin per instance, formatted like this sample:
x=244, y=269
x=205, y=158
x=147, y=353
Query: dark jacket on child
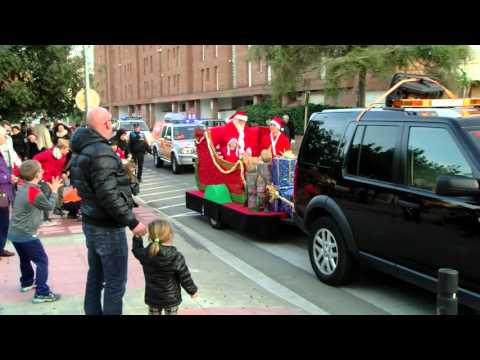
x=164, y=274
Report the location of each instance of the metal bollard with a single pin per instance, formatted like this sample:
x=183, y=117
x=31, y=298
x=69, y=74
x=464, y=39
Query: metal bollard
x=447, y=287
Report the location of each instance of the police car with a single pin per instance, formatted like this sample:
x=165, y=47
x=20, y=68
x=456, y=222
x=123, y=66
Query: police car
x=175, y=144
x=129, y=122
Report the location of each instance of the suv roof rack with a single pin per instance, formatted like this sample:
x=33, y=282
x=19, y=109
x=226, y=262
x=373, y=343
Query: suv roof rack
x=452, y=102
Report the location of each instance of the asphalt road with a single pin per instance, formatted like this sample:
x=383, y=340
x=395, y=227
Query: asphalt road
x=283, y=260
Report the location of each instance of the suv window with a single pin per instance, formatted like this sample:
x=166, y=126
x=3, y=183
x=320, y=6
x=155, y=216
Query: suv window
x=372, y=152
x=164, y=131
x=432, y=152
x=168, y=133
x=322, y=141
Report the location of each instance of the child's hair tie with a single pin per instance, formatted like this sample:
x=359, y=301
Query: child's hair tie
x=156, y=241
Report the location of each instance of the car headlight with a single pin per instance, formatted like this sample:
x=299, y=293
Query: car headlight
x=186, y=151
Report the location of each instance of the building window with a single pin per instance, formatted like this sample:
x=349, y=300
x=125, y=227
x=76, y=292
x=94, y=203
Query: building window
x=178, y=84
x=217, y=82
x=169, y=85
x=216, y=51
x=144, y=66
x=151, y=64
x=203, y=80
x=203, y=52
x=174, y=81
x=178, y=55
x=208, y=74
x=151, y=87
x=168, y=59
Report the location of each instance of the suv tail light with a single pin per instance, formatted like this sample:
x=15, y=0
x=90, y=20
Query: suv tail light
x=295, y=174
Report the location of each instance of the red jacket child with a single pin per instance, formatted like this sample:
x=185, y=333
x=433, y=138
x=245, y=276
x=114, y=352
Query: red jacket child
x=53, y=162
x=231, y=151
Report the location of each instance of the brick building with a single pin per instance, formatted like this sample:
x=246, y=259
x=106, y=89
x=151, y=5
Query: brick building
x=210, y=81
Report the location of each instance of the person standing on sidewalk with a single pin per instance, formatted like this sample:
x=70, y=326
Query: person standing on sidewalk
x=164, y=268
x=6, y=197
x=44, y=139
x=289, y=128
x=26, y=219
x=53, y=163
x=138, y=147
x=101, y=181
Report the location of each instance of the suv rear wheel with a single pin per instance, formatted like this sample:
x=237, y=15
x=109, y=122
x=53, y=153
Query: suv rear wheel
x=329, y=257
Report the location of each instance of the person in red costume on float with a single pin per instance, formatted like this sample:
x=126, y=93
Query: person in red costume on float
x=236, y=129
x=276, y=141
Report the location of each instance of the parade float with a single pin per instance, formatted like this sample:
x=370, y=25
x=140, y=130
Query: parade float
x=241, y=183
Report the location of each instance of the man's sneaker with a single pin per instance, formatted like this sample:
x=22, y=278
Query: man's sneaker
x=38, y=299
x=28, y=288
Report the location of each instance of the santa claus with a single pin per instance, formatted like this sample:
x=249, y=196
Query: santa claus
x=276, y=141
x=236, y=129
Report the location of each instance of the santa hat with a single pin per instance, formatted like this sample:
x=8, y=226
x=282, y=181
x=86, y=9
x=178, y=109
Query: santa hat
x=240, y=116
x=229, y=119
x=276, y=121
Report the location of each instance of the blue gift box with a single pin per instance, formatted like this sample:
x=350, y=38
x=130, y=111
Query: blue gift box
x=283, y=171
x=279, y=205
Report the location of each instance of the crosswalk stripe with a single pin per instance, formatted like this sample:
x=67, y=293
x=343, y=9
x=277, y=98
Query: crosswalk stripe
x=190, y=213
x=167, y=198
x=165, y=192
x=164, y=186
x=170, y=206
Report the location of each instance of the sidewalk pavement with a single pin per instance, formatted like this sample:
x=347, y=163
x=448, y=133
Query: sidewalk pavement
x=222, y=290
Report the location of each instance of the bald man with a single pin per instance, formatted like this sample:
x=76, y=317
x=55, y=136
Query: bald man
x=98, y=174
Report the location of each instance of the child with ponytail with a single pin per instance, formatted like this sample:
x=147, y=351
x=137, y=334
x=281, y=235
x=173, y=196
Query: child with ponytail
x=164, y=268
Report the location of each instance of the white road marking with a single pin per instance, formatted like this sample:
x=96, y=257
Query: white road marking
x=171, y=206
x=161, y=187
x=397, y=304
x=167, y=198
x=164, y=192
x=190, y=213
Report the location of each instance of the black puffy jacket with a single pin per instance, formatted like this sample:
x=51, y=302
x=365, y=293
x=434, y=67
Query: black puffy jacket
x=102, y=183
x=164, y=274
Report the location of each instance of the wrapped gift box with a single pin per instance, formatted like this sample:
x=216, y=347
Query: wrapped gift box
x=283, y=171
x=279, y=205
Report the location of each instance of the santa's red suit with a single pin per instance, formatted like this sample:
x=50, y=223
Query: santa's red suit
x=277, y=144
x=221, y=136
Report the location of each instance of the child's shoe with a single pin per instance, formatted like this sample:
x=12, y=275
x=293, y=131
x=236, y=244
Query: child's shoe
x=28, y=288
x=38, y=299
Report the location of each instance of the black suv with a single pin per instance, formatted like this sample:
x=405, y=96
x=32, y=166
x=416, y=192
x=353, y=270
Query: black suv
x=397, y=190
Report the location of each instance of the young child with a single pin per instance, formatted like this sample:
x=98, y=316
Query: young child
x=231, y=153
x=130, y=169
x=30, y=202
x=117, y=150
x=164, y=268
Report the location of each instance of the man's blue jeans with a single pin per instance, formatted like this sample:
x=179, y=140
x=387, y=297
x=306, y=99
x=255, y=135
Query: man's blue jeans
x=108, y=262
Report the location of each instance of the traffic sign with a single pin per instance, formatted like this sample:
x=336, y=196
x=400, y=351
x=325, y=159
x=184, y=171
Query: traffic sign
x=93, y=99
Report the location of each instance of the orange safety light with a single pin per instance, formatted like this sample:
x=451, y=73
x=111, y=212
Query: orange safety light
x=428, y=103
x=471, y=102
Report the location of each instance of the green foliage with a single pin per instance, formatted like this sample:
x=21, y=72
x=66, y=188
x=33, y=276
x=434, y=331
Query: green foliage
x=38, y=78
x=263, y=112
x=346, y=62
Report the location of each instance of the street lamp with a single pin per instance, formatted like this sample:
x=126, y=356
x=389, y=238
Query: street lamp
x=87, y=79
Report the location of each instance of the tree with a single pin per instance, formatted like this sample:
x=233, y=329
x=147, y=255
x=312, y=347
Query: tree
x=38, y=78
x=344, y=62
